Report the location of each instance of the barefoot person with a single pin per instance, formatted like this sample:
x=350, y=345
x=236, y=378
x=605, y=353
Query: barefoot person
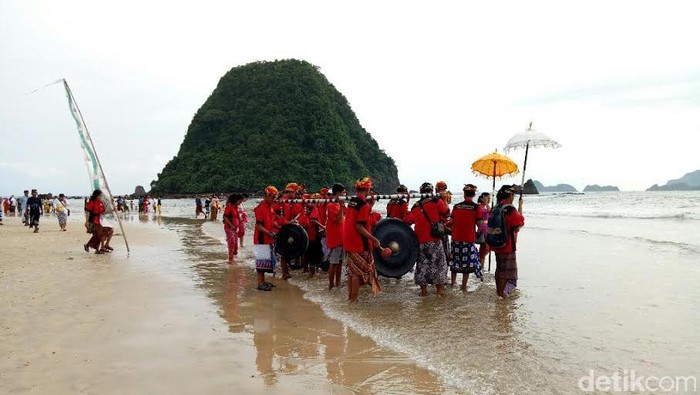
x=506, y=264
x=483, y=216
x=264, y=238
x=431, y=265
x=61, y=207
x=358, y=242
x=231, y=224
x=314, y=252
x=335, y=219
x=463, y=222
x=35, y=207
x=94, y=209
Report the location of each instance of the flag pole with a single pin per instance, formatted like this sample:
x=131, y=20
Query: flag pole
x=99, y=164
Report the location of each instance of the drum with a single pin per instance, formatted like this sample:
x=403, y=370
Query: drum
x=397, y=235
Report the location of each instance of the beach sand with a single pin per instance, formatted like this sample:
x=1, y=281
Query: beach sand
x=162, y=320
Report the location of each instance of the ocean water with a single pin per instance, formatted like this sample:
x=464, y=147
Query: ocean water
x=608, y=283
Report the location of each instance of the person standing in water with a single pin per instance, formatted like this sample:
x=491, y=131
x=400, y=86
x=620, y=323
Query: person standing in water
x=198, y=207
x=465, y=255
x=35, y=210
x=264, y=238
x=358, y=243
x=431, y=265
x=506, y=264
x=482, y=215
x=335, y=219
x=231, y=224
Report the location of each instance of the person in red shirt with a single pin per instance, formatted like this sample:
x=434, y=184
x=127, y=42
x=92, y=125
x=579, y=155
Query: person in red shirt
x=506, y=264
x=398, y=208
x=288, y=212
x=335, y=219
x=101, y=235
x=232, y=224
x=264, y=238
x=374, y=216
x=463, y=222
x=314, y=253
x=358, y=242
x=431, y=265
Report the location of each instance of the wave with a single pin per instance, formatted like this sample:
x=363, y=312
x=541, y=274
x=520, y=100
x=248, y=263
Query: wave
x=679, y=216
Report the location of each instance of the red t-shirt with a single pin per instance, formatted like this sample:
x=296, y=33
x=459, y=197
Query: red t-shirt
x=266, y=217
x=96, y=208
x=305, y=220
x=231, y=213
x=334, y=231
x=513, y=220
x=464, y=221
x=397, y=208
x=435, y=208
x=374, y=217
x=322, y=214
x=357, y=213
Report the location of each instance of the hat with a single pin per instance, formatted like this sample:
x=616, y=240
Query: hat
x=337, y=188
x=317, y=195
x=469, y=187
x=440, y=185
x=426, y=187
x=324, y=191
x=271, y=191
x=402, y=189
x=364, y=183
x=509, y=189
x=291, y=187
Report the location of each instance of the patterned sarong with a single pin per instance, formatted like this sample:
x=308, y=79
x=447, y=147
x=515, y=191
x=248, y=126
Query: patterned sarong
x=431, y=265
x=232, y=240
x=465, y=258
x=361, y=264
x=507, y=269
x=264, y=258
x=62, y=217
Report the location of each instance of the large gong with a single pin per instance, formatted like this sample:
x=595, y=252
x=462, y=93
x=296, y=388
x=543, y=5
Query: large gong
x=292, y=241
x=398, y=236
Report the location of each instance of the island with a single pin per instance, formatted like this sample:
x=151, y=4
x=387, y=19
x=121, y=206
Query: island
x=598, y=188
x=271, y=123
x=689, y=182
x=561, y=188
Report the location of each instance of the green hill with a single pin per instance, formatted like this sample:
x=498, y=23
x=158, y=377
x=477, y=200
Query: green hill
x=270, y=123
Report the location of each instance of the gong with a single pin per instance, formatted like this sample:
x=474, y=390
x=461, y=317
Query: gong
x=292, y=241
x=400, y=238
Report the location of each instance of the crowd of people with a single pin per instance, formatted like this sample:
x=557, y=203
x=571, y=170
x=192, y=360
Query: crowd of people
x=452, y=239
x=32, y=207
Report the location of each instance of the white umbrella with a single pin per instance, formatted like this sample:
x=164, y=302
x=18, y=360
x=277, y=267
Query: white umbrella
x=527, y=139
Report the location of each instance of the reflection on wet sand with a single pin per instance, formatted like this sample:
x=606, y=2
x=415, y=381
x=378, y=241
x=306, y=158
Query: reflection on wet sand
x=291, y=335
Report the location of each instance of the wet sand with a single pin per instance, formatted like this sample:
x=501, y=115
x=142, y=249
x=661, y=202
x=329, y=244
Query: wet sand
x=171, y=317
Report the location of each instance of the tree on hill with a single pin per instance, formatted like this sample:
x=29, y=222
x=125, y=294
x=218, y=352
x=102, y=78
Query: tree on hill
x=270, y=123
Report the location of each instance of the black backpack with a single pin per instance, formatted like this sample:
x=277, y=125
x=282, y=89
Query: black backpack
x=496, y=232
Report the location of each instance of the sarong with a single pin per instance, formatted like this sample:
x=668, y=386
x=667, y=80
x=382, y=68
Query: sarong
x=507, y=269
x=198, y=210
x=431, y=265
x=314, y=254
x=96, y=238
x=231, y=240
x=264, y=258
x=62, y=217
x=465, y=258
x=361, y=264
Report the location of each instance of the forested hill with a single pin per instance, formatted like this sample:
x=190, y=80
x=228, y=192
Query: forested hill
x=270, y=123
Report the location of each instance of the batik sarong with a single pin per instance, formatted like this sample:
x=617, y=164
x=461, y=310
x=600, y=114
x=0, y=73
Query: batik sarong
x=361, y=264
x=232, y=240
x=507, y=269
x=465, y=258
x=431, y=265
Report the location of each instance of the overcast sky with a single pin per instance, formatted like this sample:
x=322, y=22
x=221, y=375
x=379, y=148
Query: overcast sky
x=438, y=84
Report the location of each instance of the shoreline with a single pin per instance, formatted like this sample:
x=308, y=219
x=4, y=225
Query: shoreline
x=172, y=317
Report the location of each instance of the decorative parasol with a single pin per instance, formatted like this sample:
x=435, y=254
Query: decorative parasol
x=494, y=166
x=530, y=138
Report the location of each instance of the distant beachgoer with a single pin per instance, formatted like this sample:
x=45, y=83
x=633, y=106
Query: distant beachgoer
x=322, y=219
x=22, y=207
x=101, y=235
x=358, y=242
x=231, y=224
x=483, y=216
x=431, y=265
x=141, y=200
x=207, y=206
x=506, y=264
x=35, y=209
x=61, y=205
x=242, y=220
x=6, y=206
x=158, y=204
x=463, y=222
x=334, y=235
x=264, y=238
x=198, y=207
x=214, y=207
x=398, y=208
x=146, y=204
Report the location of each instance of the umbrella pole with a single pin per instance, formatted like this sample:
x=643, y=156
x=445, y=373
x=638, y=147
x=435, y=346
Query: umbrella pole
x=522, y=183
x=492, y=199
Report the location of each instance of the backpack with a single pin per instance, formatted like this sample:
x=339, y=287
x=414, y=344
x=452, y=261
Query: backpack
x=496, y=231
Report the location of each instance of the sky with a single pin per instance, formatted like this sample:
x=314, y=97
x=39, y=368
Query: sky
x=437, y=84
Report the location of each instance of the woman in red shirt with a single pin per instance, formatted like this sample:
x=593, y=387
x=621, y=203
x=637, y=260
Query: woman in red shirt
x=232, y=224
x=431, y=265
x=93, y=222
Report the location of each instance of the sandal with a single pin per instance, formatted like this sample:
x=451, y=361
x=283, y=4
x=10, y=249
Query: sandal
x=87, y=249
x=271, y=285
x=264, y=287
x=99, y=252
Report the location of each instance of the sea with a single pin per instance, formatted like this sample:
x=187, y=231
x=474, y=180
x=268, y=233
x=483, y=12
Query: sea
x=609, y=286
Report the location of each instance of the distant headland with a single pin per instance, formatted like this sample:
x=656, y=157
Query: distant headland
x=689, y=182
